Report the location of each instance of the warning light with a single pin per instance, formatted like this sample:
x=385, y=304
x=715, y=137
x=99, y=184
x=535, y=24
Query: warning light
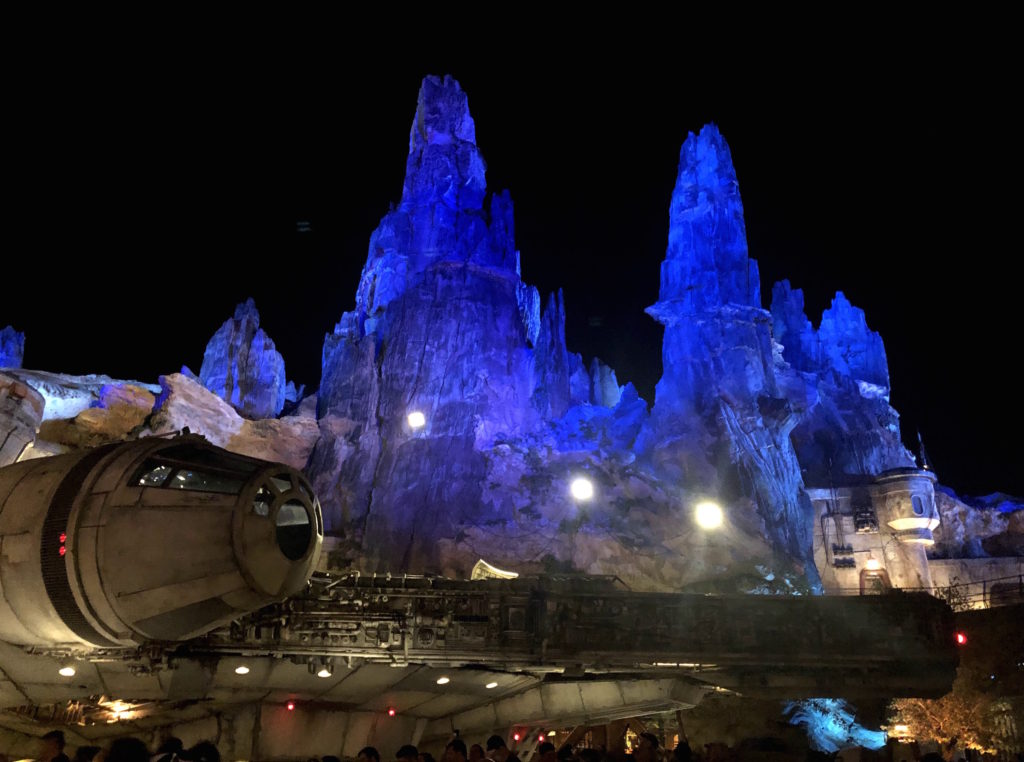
x=391, y=711
x=63, y=537
x=961, y=638
x=515, y=736
x=290, y=706
x=62, y=550
x=540, y=738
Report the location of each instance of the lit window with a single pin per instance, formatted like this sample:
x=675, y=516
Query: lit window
x=918, y=505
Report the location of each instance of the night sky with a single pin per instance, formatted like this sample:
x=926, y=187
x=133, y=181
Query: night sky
x=149, y=194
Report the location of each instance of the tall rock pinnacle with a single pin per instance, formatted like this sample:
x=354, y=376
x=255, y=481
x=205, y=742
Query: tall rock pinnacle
x=442, y=216
x=445, y=327
x=717, y=337
x=444, y=164
x=706, y=264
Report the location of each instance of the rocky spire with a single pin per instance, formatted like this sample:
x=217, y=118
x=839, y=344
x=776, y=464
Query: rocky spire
x=849, y=346
x=706, y=264
x=443, y=217
x=12, y=348
x=242, y=366
x=444, y=164
x=792, y=329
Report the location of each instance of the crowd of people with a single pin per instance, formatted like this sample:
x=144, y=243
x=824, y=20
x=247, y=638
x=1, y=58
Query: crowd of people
x=52, y=747
x=647, y=748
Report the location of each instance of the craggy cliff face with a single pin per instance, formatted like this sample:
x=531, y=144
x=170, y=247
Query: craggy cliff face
x=755, y=406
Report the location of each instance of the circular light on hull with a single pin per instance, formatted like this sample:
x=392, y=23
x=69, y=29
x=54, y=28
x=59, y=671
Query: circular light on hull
x=66, y=671
x=416, y=420
x=324, y=672
x=709, y=515
x=491, y=685
x=443, y=680
x=241, y=670
x=582, y=488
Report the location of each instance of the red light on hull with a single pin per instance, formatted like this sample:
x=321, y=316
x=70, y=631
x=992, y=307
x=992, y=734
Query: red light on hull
x=391, y=711
x=62, y=550
x=961, y=638
x=290, y=706
x=515, y=736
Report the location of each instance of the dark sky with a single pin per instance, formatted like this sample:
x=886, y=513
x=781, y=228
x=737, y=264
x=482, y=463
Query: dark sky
x=148, y=193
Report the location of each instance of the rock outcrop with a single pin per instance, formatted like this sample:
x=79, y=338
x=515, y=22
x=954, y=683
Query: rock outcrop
x=838, y=378
x=21, y=412
x=118, y=413
x=185, y=403
x=242, y=366
x=12, y=348
x=444, y=326
x=982, y=527
x=718, y=392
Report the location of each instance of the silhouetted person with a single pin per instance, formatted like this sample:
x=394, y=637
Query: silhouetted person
x=51, y=747
x=683, y=752
x=127, y=750
x=407, y=753
x=476, y=753
x=368, y=754
x=169, y=750
x=547, y=752
x=330, y=758
x=204, y=751
x=498, y=751
x=426, y=756
x=455, y=751
x=86, y=753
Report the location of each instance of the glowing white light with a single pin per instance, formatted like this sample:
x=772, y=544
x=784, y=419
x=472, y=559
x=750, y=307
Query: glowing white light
x=443, y=681
x=491, y=685
x=709, y=515
x=324, y=672
x=552, y=733
x=581, y=488
x=66, y=671
x=241, y=670
x=873, y=564
x=901, y=728
x=416, y=420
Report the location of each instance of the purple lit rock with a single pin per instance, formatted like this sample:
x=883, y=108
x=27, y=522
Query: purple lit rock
x=792, y=329
x=561, y=380
x=12, y=348
x=838, y=377
x=443, y=325
x=720, y=422
x=242, y=366
x=706, y=264
x=849, y=346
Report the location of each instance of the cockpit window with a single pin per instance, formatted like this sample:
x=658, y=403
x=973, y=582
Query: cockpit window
x=170, y=476
x=153, y=475
x=204, y=482
x=282, y=482
x=293, y=530
x=262, y=502
x=208, y=460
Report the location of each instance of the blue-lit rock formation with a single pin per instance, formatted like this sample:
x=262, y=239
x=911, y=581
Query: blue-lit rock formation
x=242, y=366
x=831, y=725
x=12, y=348
x=443, y=325
x=838, y=378
x=718, y=393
